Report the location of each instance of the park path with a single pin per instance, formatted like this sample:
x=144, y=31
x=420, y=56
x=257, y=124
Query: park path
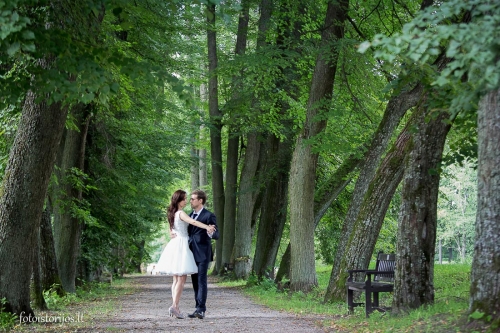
x=228, y=310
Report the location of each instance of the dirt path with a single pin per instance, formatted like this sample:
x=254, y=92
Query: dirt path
x=228, y=310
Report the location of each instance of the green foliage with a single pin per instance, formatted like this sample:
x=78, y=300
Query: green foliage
x=446, y=315
x=56, y=302
x=7, y=319
x=471, y=47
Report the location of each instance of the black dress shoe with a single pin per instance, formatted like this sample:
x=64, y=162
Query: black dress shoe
x=197, y=314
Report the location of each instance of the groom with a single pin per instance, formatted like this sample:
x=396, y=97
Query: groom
x=200, y=243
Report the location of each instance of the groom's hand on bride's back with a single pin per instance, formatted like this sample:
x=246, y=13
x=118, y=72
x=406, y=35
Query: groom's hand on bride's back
x=215, y=234
x=172, y=234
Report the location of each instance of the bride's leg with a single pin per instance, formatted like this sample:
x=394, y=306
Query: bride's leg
x=179, y=286
x=174, y=283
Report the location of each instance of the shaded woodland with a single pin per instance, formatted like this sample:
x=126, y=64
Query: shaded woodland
x=320, y=130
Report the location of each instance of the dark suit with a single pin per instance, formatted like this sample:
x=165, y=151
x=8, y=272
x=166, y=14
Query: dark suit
x=201, y=246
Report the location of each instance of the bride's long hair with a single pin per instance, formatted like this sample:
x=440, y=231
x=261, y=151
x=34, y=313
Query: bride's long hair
x=177, y=197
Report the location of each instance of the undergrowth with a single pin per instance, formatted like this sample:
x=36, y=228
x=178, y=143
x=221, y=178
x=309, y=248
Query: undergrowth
x=447, y=314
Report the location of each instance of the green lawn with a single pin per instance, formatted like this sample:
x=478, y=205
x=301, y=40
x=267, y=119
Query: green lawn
x=448, y=314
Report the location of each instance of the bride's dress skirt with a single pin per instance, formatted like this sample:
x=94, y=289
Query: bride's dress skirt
x=177, y=258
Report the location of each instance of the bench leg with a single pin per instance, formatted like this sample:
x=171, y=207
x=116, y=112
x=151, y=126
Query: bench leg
x=375, y=300
x=368, y=303
x=350, y=301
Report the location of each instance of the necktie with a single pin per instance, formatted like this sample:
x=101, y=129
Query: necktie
x=195, y=216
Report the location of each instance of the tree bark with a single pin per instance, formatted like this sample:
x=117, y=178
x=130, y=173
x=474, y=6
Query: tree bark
x=414, y=277
x=24, y=188
x=249, y=188
x=215, y=133
x=366, y=228
x=67, y=227
x=48, y=262
x=38, y=299
x=230, y=199
x=274, y=206
x=233, y=145
x=485, y=276
x=323, y=200
x=247, y=198
x=394, y=111
x=304, y=160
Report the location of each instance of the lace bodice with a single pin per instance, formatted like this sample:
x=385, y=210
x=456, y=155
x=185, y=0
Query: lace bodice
x=180, y=227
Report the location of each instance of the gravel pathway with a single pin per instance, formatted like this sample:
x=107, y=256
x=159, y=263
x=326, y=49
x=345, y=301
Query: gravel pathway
x=228, y=310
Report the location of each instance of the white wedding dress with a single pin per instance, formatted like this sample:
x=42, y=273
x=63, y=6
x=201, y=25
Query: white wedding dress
x=177, y=258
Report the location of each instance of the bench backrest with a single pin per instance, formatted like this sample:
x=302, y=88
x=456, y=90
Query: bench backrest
x=385, y=262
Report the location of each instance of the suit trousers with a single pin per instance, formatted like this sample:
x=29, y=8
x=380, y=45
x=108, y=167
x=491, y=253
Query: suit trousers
x=200, y=286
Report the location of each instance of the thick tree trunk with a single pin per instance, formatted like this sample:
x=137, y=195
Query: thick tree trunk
x=414, y=279
x=247, y=197
x=274, y=206
x=485, y=276
x=249, y=188
x=215, y=133
x=394, y=111
x=38, y=299
x=48, y=262
x=323, y=200
x=366, y=228
x=67, y=228
x=24, y=188
x=233, y=145
x=304, y=161
x=230, y=199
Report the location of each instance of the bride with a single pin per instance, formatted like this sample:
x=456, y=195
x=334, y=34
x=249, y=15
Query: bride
x=177, y=259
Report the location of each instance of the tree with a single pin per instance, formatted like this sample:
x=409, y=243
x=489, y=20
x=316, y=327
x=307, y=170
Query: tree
x=485, y=286
x=304, y=160
x=473, y=51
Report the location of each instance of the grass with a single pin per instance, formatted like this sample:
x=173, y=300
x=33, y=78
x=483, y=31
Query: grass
x=447, y=314
x=92, y=300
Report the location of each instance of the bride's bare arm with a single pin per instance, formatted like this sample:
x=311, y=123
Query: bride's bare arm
x=187, y=219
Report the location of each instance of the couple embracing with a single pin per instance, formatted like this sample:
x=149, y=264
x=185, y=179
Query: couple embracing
x=189, y=250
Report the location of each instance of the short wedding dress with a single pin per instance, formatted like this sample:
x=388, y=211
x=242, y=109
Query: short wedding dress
x=177, y=258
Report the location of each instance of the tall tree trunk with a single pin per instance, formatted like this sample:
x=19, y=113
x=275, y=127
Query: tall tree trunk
x=24, y=188
x=274, y=205
x=366, y=228
x=276, y=154
x=323, y=200
x=48, y=261
x=485, y=276
x=249, y=189
x=67, y=227
x=38, y=299
x=414, y=278
x=394, y=111
x=304, y=160
x=215, y=133
x=230, y=199
x=247, y=198
x=233, y=144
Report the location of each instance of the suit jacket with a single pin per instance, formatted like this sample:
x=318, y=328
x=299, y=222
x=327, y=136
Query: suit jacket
x=199, y=241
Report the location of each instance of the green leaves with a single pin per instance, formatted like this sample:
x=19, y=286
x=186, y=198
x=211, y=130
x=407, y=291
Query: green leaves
x=471, y=46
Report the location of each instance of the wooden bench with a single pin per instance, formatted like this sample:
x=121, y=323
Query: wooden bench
x=376, y=281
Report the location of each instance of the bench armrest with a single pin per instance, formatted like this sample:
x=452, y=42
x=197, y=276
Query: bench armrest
x=378, y=272
x=351, y=271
